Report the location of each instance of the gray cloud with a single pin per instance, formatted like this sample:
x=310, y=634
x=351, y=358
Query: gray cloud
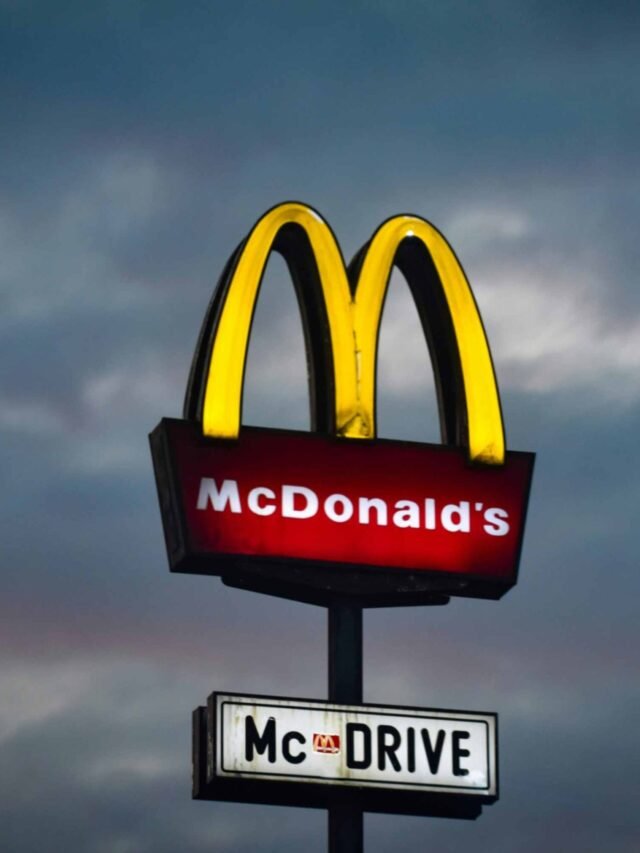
x=139, y=143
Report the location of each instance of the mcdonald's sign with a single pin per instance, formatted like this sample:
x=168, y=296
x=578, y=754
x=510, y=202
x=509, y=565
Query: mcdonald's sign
x=338, y=511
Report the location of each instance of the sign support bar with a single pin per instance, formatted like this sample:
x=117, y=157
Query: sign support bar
x=345, y=686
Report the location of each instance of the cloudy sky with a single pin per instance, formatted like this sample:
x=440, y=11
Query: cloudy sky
x=139, y=141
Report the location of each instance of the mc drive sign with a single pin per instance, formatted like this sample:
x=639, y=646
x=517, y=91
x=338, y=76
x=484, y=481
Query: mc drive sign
x=370, y=746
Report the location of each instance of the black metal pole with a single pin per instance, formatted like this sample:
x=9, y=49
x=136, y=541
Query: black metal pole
x=345, y=686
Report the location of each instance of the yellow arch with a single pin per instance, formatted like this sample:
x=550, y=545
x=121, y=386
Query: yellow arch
x=354, y=320
x=484, y=417
x=223, y=390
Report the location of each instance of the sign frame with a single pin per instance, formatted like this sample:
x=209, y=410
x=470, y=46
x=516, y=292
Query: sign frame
x=309, y=580
x=208, y=785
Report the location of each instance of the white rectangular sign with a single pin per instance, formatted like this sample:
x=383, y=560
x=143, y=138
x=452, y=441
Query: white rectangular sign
x=364, y=745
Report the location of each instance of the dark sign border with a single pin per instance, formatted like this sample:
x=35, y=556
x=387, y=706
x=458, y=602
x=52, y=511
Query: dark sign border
x=208, y=786
x=311, y=581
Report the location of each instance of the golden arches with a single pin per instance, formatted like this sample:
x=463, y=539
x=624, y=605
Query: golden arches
x=350, y=315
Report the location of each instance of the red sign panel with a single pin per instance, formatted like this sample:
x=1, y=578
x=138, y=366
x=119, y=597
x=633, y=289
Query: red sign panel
x=279, y=500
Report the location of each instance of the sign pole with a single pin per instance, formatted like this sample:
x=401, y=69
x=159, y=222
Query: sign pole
x=345, y=686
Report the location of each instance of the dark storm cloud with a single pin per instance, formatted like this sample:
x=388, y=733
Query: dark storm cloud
x=139, y=74
x=139, y=142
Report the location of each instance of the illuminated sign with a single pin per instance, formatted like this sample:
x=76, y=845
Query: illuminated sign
x=257, y=740
x=309, y=515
